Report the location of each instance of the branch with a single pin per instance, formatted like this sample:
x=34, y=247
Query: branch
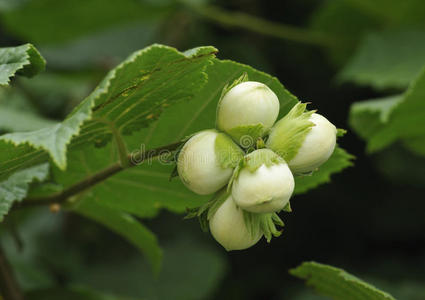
x=8, y=286
x=258, y=25
x=133, y=160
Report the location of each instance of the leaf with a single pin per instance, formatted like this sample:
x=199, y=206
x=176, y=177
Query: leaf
x=384, y=60
x=110, y=46
x=344, y=21
x=92, y=16
x=130, y=97
x=188, y=273
x=23, y=60
x=338, y=161
x=15, y=188
x=400, y=118
x=368, y=117
x=337, y=283
x=16, y=120
x=124, y=225
x=145, y=189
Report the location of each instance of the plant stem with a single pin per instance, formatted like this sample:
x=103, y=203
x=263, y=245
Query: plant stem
x=132, y=160
x=258, y=25
x=8, y=286
x=122, y=148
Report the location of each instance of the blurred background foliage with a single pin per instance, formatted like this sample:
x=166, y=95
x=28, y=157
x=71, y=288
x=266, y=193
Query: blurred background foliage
x=369, y=220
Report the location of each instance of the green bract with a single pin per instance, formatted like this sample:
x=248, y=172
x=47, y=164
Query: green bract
x=247, y=111
x=262, y=183
x=205, y=163
x=228, y=227
x=303, y=138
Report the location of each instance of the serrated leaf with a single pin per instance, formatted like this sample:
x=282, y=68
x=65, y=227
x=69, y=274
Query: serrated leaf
x=124, y=225
x=337, y=283
x=145, y=189
x=129, y=98
x=338, y=161
x=383, y=60
x=23, y=60
x=15, y=188
x=399, y=118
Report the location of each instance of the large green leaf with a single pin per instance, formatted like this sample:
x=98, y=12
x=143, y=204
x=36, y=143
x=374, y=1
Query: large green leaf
x=399, y=118
x=336, y=283
x=23, y=60
x=130, y=97
x=75, y=18
x=15, y=188
x=124, y=225
x=145, y=189
x=387, y=59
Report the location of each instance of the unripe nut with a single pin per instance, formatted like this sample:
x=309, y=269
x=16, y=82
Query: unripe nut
x=228, y=227
x=318, y=146
x=265, y=190
x=200, y=160
x=247, y=104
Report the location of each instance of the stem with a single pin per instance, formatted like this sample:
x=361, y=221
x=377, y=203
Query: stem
x=8, y=286
x=122, y=148
x=132, y=160
x=258, y=25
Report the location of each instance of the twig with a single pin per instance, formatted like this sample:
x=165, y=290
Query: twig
x=133, y=160
x=258, y=25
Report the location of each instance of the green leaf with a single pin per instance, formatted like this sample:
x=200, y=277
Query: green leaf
x=92, y=15
x=337, y=283
x=23, y=60
x=12, y=120
x=383, y=60
x=124, y=225
x=338, y=161
x=130, y=97
x=344, y=21
x=368, y=117
x=107, y=47
x=145, y=189
x=399, y=118
x=188, y=272
x=15, y=188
